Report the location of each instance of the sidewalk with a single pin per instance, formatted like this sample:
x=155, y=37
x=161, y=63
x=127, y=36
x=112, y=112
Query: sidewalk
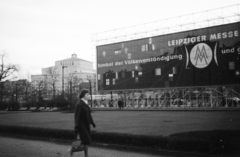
x=14, y=147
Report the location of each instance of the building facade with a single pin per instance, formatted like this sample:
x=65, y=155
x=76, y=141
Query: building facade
x=66, y=77
x=199, y=67
x=18, y=91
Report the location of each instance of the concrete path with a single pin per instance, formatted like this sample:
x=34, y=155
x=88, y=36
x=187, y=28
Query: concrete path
x=15, y=147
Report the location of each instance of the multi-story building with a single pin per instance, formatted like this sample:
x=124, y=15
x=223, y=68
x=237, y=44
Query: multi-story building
x=66, y=77
x=194, y=68
x=18, y=90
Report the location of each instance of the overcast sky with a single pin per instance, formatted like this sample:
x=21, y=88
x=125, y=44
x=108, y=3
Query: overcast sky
x=36, y=33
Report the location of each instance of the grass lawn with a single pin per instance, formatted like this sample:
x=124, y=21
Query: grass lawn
x=132, y=122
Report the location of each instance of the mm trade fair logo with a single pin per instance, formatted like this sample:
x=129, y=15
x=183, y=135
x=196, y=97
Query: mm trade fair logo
x=201, y=55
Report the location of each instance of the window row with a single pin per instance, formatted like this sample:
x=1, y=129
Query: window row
x=144, y=48
x=67, y=63
x=231, y=65
x=114, y=81
x=156, y=72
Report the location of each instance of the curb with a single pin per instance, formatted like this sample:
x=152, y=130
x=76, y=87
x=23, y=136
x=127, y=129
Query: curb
x=116, y=147
x=134, y=109
x=167, y=109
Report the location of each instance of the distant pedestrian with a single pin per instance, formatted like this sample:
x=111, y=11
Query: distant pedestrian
x=83, y=120
x=120, y=103
x=95, y=103
x=110, y=104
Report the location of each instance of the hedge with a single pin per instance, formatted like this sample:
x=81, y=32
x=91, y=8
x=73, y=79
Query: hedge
x=213, y=142
x=60, y=103
x=12, y=105
x=3, y=105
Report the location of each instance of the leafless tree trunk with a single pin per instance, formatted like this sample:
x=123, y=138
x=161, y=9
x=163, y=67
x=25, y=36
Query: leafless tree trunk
x=6, y=70
x=40, y=90
x=73, y=82
x=52, y=79
x=26, y=87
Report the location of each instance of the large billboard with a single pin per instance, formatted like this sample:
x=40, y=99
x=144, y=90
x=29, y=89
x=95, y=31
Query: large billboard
x=201, y=57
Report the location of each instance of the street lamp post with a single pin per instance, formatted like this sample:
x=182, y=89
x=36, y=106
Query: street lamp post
x=90, y=86
x=71, y=90
x=54, y=90
x=63, y=80
x=71, y=81
x=1, y=83
x=16, y=92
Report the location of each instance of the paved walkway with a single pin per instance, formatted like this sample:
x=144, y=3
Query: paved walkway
x=15, y=147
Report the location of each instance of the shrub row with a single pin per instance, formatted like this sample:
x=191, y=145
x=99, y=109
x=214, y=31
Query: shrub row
x=201, y=142
x=13, y=105
x=207, y=142
x=3, y=105
x=37, y=132
x=60, y=103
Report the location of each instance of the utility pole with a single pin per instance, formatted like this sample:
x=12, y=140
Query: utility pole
x=63, y=80
x=90, y=86
x=16, y=92
x=2, y=83
x=71, y=76
x=26, y=92
x=71, y=90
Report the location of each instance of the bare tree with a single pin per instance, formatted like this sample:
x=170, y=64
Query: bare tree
x=52, y=79
x=40, y=89
x=26, y=89
x=6, y=70
x=9, y=87
x=73, y=81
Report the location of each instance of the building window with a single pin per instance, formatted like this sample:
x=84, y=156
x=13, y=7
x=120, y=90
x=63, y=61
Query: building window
x=157, y=71
x=129, y=56
x=153, y=47
x=150, y=40
x=140, y=73
x=117, y=52
x=99, y=76
x=170, y=51
x=170, y=77
x=150, y=47
x=104, y=53
x=231, y=65
x=136, y=67
x=174, y=70
x=161, y=51
x=166, y=83
x=126, y=50
x=133, y=73
x=136, y=80
x=107, y=82
x=116, y=75
x=123, y=74
x=144, y=47
x=114, y=81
